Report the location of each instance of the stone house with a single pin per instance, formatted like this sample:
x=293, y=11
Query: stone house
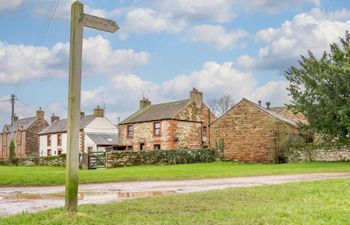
x=96, y=133
x=26, y=136
x=249, y=132
x=181, y=124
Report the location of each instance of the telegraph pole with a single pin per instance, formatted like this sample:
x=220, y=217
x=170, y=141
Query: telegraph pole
x=12, y=99
x=78, y=21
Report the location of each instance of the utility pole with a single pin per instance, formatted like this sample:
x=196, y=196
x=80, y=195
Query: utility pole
x=78, y=21
x=12, y=99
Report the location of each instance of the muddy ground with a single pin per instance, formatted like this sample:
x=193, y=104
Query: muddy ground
x=14, y=200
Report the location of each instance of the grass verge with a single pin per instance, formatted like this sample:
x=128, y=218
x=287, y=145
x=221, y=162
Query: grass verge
x=44, y=176
x=317, y=202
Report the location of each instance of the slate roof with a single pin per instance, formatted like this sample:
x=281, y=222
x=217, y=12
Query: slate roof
x=61, y=125
x=276, y=114
x=277, y=109
x=157, y=112
x=103, y=138
x=271, y=112
x=22, y=124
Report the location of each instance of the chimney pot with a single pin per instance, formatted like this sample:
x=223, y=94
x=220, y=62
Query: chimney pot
x=54, y=118
x=259, y=102
x=144, y=103
x=197, y=97
x=268, y=105
x=98, y=112
x=40, y=113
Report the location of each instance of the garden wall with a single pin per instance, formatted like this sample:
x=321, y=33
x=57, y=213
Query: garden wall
x=329, y=153
x=35, y=161
x=165, y=157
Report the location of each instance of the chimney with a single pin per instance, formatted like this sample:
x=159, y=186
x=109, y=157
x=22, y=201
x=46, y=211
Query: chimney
x=259, y=102
x=98, y=112
x=144, y=102
x=54, y=118
x=268, y=105
x=40, y=113
x=196, y=96
x=82, y=114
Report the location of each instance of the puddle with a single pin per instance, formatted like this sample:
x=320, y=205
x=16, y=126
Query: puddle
x=84, y=195
x=31, y=196
x=140, y=194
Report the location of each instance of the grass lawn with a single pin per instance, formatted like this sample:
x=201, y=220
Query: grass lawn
x=39, y=176
x=317, y=202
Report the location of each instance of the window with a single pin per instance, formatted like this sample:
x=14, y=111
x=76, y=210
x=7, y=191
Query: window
x=48, y=140
x=204, y=131
x=59, y=139
x=156, y=129
x=142, y=146
x=59, y=151
x=156, y=147
x=48, y=152
x=130, y=131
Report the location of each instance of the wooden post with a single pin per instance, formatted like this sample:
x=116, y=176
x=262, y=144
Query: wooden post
x=74, y=90
x=78, y=21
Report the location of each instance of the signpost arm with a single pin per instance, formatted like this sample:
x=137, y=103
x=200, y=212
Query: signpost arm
x=73, y=127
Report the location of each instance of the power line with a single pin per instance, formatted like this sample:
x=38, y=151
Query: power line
x=27, y=105
x=52, y=8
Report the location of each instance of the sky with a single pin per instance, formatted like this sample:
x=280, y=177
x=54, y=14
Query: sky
x=162, y=50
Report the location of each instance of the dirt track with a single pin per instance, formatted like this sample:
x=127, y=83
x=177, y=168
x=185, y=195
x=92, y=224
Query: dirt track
x=16, y=200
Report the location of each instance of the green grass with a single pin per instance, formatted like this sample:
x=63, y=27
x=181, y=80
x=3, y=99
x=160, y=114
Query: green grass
x=40, y=176
x=318, y=202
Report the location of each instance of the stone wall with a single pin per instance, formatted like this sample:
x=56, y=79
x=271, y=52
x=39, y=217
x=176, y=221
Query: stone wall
x=164, y=157
x=319, y=153
x=35, y=161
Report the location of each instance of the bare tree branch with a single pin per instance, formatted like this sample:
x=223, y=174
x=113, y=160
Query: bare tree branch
x=221, y=105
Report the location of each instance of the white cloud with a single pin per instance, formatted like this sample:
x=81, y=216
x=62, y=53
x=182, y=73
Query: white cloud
x=212, y=11
x=6, y=5
x=141, y=20
x=285, y=44
x=20, y=63
x=214, y=80
x=216, y=35
x=273, y=6
x=340, y=15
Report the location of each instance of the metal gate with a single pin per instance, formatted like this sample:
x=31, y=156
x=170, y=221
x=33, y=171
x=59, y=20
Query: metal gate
x=97, y=160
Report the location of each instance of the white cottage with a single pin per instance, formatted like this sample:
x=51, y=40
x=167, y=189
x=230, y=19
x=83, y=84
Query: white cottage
x=96, y=133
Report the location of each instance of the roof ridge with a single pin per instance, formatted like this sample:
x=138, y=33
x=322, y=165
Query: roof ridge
x=167, y=111
x=164, y=103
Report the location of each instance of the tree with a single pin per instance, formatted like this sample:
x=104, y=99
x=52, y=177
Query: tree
x=12, y=150
x=221, y=105
x=320, y=89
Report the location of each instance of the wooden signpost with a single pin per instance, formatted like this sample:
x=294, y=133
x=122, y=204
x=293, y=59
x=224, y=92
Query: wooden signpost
x=78, y=21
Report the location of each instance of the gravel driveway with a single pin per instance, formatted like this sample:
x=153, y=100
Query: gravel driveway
x=14, y=200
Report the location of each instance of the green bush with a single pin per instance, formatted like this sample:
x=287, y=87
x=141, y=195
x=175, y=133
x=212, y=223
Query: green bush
x=184, y=156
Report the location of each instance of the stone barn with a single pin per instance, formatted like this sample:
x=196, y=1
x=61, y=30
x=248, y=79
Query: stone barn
x=249, y=132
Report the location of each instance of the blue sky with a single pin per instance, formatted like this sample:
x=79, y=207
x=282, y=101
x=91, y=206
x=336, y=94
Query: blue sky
x=162, y=50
